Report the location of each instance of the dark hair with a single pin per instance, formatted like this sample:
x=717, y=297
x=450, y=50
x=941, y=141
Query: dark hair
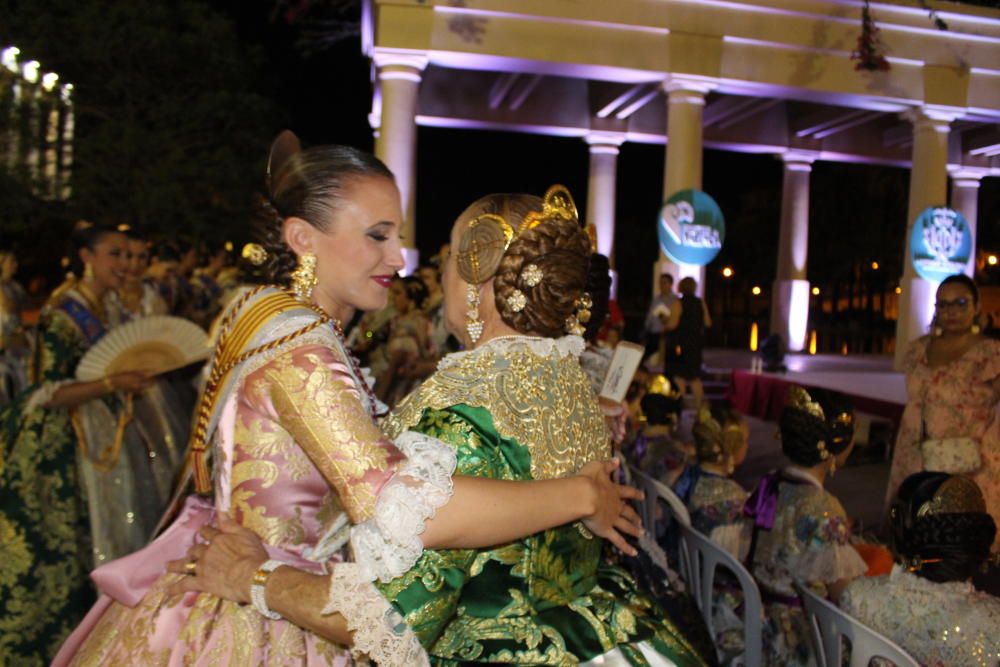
x=416, y=290
x=688, y=286
x=309, y=185
x=964, y=281
x=658, y=409
x=801, y=431
x=947, y=546
x=87, y=235
x=599, y=288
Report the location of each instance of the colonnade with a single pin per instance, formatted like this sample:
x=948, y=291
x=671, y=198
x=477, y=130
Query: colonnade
x=400, y=72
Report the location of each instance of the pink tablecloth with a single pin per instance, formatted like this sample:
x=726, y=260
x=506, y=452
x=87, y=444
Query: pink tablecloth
x=762, y=395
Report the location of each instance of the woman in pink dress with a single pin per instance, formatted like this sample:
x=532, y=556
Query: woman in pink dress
x=953, y=382
x=298, y=459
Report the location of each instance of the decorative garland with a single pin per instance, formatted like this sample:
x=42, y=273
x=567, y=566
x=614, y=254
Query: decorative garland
x=870, y=52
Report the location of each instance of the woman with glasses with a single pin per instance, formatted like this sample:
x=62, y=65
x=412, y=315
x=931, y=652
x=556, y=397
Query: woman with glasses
x=953, y=381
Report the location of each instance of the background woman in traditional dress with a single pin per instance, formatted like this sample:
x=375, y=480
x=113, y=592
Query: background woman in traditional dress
x=57, y=437
x=953, y=385
x=941, y=537
x=517, y=406
x=14, y=346
x=801, y=528
x=298, y=457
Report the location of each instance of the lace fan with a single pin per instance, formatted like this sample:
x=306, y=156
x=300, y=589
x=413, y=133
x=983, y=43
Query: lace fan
x=154, y=344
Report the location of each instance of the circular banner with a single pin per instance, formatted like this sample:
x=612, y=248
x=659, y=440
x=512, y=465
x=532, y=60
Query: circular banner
x=940, y=243
x=691, y=228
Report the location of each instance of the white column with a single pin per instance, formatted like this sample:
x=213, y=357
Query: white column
x=790, y=296
x=399, y=75
x=965, y=200
x=928, y=187
x=685, y=104
x=601, y=189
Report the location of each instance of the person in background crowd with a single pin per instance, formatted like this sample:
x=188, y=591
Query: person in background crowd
x=686, y=331
x=138, y=296
x=14, y=344
x=59, y=440
x=941, y=536
x=657, y=450
x=657, y=315
x=707, y=488
x=596, y=359
x=951, y=422
x=800, y=529
x=206, y=291
x=409, y=338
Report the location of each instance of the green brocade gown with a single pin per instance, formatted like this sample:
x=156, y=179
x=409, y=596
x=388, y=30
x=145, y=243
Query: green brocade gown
x=521, y=408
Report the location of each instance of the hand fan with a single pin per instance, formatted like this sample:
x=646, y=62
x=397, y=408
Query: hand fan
x=154, y=344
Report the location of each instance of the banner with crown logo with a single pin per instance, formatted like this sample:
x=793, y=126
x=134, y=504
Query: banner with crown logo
x=691, y=228
x=940, y=243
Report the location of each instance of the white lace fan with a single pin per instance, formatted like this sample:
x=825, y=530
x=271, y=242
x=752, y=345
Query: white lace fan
x=154, y=344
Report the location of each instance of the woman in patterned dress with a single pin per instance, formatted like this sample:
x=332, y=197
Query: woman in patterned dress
x=953, y=384
x=801, y=529
x=57, y=450
x=941, y=537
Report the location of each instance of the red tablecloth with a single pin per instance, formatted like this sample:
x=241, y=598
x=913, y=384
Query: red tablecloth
x=762, y=395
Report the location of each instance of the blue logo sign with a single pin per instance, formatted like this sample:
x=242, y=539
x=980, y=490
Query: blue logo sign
x=940, y=243
x=691, y=228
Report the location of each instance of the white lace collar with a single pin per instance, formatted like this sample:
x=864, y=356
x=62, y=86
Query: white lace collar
x=802, y=475
x=906, y=579
x=537, y=345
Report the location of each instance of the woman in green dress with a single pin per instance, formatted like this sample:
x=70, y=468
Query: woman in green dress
x=45, y=535
x=516, y=406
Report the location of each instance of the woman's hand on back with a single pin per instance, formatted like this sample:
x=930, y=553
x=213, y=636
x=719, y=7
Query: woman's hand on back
x=613, y=515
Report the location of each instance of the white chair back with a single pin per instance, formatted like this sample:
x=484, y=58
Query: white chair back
x=827, y=624
x=656, y=491
x=701, y=559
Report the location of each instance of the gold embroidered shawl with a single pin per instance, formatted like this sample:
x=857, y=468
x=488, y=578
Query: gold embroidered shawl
x=534, y=389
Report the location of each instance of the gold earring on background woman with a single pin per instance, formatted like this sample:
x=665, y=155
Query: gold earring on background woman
x=473, y=324
x=304, y=276
x=88, y=271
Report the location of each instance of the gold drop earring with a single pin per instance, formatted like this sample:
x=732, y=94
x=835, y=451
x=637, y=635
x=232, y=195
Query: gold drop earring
x=88, y=271
x=473, y=324
x=304, y=276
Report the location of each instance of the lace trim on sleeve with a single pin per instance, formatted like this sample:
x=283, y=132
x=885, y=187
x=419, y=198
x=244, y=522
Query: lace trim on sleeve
x=831, y=563
x=379, y=630
x=388, y=544
x=40, y=397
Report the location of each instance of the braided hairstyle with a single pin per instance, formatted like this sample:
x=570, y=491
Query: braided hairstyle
x=802, y=431
x=718, y=434
x=557, y=246
x=944, y=547
x=310, y=184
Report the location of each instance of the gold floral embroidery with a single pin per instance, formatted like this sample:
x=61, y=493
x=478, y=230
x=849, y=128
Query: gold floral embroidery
x=327, y=420
x=545, y=403
x=273, y=530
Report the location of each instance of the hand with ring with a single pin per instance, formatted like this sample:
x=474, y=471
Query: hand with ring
x=223, y=565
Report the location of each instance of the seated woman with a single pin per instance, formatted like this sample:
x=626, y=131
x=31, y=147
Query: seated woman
x=801, y=530
x=515, y=406
x=657, y=450
x=941, y=536
x=714, y=499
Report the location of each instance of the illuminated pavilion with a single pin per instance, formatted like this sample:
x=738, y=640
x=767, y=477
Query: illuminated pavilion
x=760, y=76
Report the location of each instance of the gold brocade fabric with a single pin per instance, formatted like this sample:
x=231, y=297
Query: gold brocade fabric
x=532, y=398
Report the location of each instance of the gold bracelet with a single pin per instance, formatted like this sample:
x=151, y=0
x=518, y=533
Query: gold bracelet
x=109, y=386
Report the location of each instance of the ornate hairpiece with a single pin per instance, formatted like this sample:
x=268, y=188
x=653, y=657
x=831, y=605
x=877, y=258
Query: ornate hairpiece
x=580, y=316
x=495, y=231
x=659, y=384
x=557, y=203
x=957, y=495
x=517, y=301
x=254, y=253
x=800, y=399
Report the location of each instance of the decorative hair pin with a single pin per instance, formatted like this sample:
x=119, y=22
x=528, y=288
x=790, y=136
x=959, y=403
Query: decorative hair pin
x=800, y=399
x=531, y=275
x=516, y=301
x=824, y=453
x=956, y=495
x=575, y=322
x=254, y=253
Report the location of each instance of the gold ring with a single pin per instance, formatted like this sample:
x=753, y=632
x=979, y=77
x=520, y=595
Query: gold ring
x=191, y=567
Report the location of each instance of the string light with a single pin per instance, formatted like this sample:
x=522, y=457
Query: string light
x=727, y=272
x=756, y=290
x=815, y=291
x=874, y=266
x=992, y=260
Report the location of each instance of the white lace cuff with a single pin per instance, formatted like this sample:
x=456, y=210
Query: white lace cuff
x=379, y=630
x=40, y=397
x=831, y=563
x=388, y=544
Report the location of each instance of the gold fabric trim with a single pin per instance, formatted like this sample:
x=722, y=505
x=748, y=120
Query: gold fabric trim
x=543, y=402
